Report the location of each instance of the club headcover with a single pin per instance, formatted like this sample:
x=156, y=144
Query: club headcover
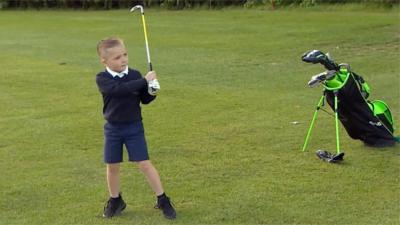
x=312, y=56
x=316, y=56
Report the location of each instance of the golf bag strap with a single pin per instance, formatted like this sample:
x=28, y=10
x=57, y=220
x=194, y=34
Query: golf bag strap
x=360, y=83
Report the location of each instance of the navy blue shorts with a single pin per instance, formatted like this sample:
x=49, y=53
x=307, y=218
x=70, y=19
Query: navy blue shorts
x=129, y=134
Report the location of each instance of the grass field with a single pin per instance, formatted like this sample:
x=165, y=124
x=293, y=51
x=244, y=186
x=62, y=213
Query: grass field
x=220, y=133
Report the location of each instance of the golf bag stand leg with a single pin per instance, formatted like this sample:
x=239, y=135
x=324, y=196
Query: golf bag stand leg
x=336, y=123
x=320, y=103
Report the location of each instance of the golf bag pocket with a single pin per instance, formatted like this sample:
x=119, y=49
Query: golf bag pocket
x=382, y=111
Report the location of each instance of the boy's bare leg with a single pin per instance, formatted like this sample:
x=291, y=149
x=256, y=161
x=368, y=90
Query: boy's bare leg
x=163, y=202
x=113, y=179
x=152, y=176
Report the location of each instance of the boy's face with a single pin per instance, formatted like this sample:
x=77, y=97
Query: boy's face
x=115, y=58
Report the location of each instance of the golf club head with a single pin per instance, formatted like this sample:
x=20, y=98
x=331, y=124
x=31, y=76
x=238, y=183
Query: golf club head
x=337, y=158
x=323, y=155
x=329, y=157
x=316, y=56
x=321, y=77
x=137, y=7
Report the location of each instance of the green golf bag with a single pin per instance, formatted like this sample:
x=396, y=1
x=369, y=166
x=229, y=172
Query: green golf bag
x=347, y=94
x=368, y=121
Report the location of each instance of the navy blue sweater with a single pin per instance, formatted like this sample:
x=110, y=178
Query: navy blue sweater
x=122, y=96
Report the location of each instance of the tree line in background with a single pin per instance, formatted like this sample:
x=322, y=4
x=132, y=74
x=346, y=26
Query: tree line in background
x=174, y=4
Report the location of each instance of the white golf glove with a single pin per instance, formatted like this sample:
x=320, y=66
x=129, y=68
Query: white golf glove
x=153, y=87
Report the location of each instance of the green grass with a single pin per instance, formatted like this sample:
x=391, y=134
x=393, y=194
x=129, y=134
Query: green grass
x=220, y=132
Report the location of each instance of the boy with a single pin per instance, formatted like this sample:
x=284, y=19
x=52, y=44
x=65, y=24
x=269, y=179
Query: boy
x=123, y=89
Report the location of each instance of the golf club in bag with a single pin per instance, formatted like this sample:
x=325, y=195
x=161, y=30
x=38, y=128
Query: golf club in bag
x=347, y=94
x=153, y=84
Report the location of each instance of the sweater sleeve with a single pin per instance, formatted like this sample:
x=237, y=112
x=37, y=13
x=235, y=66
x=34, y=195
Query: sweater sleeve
x=145, y=97
x=113, y=87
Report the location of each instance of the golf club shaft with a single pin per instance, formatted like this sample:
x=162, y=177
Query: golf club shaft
x=145, y=34
x=147, y=43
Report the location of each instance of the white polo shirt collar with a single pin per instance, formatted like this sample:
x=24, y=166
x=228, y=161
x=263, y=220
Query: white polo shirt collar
x=114, y=74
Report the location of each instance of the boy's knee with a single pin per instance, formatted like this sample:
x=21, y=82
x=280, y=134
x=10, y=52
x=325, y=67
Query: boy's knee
x=145, y=166
x=113, y=168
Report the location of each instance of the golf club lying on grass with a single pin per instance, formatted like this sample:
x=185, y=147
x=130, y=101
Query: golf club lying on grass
x=154, y=86
x=327, y=156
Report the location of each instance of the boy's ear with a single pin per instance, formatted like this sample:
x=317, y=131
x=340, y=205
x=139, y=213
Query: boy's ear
x=103, y=60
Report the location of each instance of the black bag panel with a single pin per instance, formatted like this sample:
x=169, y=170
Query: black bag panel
x=356, y=116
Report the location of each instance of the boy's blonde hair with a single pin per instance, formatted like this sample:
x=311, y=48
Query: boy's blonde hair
x=108, y=43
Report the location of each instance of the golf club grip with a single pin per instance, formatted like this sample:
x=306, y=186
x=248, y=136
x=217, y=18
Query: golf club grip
x=150, y=66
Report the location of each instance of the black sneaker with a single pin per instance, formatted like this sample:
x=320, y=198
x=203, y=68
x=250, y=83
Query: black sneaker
x=165, y=205
x=114, y=207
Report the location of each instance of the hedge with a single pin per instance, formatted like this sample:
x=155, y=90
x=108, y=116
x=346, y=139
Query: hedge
x=172, y=4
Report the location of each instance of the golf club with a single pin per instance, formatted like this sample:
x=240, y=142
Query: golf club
x=153, y=84
x=329, y=157
x=145, y=34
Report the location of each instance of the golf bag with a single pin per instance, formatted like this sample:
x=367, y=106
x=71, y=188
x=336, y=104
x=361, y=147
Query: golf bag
x=347, y=94
x=370, y=122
